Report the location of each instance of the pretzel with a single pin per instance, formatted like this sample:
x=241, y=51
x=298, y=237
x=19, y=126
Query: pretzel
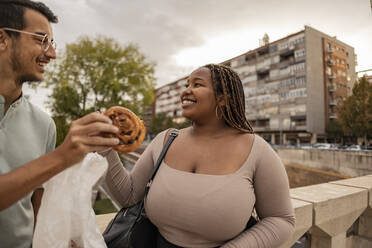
x=132, y=130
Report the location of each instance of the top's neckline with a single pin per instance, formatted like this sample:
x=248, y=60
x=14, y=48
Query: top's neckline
x=222, y=175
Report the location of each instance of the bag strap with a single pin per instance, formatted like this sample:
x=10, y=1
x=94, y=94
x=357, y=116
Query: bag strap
x=173, y=135
x=140, y=212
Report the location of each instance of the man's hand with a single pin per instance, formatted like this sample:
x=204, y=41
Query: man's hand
x=84, y=137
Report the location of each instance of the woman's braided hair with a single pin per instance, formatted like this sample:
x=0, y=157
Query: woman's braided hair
x=226, y=83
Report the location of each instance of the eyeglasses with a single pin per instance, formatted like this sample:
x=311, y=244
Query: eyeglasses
x=46, y=42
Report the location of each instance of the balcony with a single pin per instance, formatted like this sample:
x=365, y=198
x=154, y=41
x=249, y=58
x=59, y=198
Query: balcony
x=331, y=76
x=287, y=52
x=331, y=88
x=330, y=50
x=332, y=116
x=331, y=62
x=332, y=102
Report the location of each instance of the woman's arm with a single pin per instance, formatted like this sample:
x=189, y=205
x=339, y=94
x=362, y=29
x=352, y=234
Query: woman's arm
x=273, y=204
x=128, y=187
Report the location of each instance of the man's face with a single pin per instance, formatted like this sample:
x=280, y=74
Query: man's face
x=28, y=58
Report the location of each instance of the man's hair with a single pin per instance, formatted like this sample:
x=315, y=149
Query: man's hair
x=12, y=13
x=226, y=83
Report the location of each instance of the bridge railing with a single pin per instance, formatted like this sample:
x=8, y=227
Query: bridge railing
x=336, y=214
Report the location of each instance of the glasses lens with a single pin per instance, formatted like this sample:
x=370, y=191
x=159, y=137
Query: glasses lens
x=54, y=44
x=45, y=43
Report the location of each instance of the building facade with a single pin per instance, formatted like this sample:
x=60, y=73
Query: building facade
x=292, y=86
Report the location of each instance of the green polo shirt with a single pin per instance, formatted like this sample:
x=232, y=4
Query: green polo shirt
x=26, y=133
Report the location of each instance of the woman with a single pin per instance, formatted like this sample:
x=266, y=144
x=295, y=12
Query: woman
x=214, y=174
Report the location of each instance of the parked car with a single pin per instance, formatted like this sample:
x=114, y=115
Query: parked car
x=305, y=146
x=323, y=146
x=341, y=147
x=366, y=148
x=354, y=148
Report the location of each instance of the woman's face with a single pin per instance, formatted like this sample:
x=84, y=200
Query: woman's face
x=198, y=100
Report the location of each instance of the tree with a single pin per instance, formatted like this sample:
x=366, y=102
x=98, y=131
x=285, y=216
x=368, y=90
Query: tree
x=334, y=130
x=95, y=74
x=356, y=111
x=162, y=122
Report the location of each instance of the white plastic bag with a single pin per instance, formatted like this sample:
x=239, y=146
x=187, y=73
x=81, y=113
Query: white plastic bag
x=66, y=210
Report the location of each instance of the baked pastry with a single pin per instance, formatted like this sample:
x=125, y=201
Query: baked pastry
x=132, y=130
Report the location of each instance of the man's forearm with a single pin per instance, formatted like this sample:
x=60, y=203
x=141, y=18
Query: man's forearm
x=18, y=183
x=77, y=144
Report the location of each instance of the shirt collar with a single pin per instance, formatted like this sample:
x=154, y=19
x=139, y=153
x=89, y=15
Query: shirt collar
x=16, y=103
x=2, y=107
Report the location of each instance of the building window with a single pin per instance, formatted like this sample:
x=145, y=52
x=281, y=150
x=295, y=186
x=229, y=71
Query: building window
x=273, y=48
x=252, y=122
x=299, y=53
x=283, y=45
x=275, y=59
x=298, y=121
x=263, y=123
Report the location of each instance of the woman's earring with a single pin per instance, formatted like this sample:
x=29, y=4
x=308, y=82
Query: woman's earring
x=217, y=115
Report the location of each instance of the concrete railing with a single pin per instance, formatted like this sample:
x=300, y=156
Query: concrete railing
x=332, y=215
x=336, y=214
x=347, y=163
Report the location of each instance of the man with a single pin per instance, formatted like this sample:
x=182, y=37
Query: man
x=27, y=135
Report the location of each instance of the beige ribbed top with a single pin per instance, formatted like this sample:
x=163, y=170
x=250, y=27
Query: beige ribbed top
x=200, y=210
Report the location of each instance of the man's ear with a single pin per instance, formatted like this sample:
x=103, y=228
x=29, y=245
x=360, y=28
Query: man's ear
x=4, y=40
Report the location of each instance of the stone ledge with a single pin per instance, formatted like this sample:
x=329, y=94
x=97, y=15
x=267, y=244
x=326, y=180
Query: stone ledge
x=358, y=182
x=335, y=207
x=304, y=220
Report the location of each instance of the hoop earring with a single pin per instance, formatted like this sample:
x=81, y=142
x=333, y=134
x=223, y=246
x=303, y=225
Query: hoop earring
x=218, y=116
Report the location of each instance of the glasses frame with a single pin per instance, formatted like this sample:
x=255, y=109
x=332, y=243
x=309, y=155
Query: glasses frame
x=45, y=43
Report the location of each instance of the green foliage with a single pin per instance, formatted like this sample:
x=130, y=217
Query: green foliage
x=356, y=112
x=104, y=206
x=95, y=74
x=334, y=130
x=62, y=128
x=162, y=122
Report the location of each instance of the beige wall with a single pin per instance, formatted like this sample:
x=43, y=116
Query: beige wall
x=315, y=81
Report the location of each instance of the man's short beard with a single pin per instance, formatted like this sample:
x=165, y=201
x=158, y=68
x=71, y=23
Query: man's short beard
x=17, y=67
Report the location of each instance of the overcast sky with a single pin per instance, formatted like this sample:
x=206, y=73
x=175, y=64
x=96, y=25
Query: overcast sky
x=181, y=35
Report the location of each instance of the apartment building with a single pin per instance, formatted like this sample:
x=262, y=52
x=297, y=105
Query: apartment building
x=292, y=86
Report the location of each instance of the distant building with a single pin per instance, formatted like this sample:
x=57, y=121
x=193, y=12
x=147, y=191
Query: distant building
x=292, y=86
x=368, y=77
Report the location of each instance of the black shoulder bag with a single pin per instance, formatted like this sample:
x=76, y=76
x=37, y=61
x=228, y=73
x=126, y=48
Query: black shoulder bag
x=131, y=228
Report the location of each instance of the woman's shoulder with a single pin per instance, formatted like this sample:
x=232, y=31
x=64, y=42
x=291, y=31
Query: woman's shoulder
x=260, y=141
x=261, y=147
x=166, y=133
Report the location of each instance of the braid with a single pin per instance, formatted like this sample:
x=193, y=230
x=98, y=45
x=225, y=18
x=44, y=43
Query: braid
x=227, y=83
